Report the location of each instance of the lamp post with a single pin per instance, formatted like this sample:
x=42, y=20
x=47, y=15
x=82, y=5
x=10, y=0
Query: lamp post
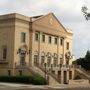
x=45, y=71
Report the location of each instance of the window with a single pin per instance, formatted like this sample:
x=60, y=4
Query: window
x=55, y=62
x=67, y=46
x=50, y=39
x=20, y=72
x=48, y=61
x=22, y=60
x=55, y=40
x=36, y=36
x=61, y=41
x=42, y=60
x=23, y=37
x=36, y=60
x=9, y=72
x=43, y=38
x=4, y=53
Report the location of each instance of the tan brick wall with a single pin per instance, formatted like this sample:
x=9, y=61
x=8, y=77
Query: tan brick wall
x=7, y=30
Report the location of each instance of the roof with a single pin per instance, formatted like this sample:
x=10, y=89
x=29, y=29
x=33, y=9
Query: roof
x=33, y=18
x=14, y=15
x=69, y=30
x=36, y=17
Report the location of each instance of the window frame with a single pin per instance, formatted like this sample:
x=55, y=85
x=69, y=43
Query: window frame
x=42, y=59
x=43, y=37
x=36, y=36
x=61, y=41
x=23, y=37
x=36, y=59
x=55, y=40
x=4, y=58
x=50, y=39
x=67, y=45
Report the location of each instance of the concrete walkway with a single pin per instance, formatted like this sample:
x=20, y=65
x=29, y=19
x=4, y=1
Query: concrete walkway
x=42, y=86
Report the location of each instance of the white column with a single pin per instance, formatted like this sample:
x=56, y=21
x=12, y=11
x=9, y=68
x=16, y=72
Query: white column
x=73, y=73
x=64, y=51
x=62, y=76
x=32, y=52
x=39, y=47
x=58, y=50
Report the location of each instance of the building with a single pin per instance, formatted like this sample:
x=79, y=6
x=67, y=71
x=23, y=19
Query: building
x=31, y=44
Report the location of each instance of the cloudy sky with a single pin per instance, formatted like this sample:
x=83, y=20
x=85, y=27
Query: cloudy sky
x=67, y=11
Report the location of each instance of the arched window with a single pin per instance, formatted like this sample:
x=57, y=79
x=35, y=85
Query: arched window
x=42, y=58
x=22, y=59
x=36, y=58
x=61, y=59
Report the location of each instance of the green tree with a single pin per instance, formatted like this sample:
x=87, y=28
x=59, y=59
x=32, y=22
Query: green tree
x=84, y=62
x=87, y=60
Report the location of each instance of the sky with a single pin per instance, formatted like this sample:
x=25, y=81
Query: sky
x=67, y=11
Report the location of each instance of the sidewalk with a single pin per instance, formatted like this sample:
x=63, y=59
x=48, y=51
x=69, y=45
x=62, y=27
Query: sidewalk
x=43, y=86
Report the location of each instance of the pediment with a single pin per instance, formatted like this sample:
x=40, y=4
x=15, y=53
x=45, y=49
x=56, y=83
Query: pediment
x=49, y=23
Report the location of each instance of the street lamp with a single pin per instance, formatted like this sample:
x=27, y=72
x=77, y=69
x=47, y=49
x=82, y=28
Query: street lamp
x=45, y=71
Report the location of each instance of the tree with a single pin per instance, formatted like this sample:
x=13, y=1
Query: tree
x=87, y=60
x=85, y=12
x=84, y=62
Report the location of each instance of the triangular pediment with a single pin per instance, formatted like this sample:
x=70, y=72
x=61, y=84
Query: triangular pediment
x=49, y=23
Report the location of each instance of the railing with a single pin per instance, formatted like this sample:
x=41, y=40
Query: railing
x=83, y=70
x=49, y=72
x=55, y=77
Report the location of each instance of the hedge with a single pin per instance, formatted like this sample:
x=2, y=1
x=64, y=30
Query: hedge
x=36, y=80
x=77, y=77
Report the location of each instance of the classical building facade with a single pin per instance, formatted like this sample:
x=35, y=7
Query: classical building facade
x=40, y=42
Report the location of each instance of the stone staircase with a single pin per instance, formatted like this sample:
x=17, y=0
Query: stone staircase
x=83, y=73
x=51, y=74
x=50, y=77
x=38, y=70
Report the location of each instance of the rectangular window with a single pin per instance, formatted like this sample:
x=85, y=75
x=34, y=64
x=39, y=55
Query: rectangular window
x=43, y=38
x=55, y=62
x=67, y=46
x=55, y=40
x=36, y=36
x=48, y=61
x=22, y=60
x=23, y=37
x=20, y=72
x=4, y=53
x=42, y=60
x=9, y=72
x=36, y=60
x=50, y=39
x=61, y=41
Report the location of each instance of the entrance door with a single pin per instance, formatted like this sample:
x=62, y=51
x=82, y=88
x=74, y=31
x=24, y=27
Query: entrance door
x=59, y=75
x=65, y=77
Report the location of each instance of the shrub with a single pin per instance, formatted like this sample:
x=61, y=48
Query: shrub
x=37, y=80
x=77, y=77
